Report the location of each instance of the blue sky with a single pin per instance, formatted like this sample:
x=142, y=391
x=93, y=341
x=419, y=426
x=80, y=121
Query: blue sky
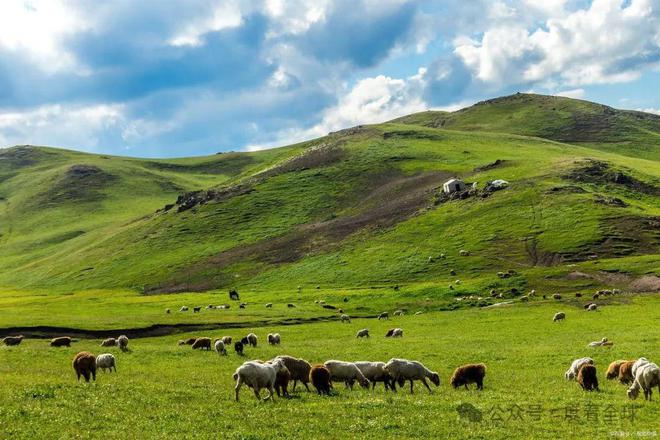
x=164, y=78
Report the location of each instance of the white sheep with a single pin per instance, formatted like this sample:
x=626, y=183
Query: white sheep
x=122, y=342
x=106, y=361
x=375, y=372
x=398, y=313
x=419, y=312
x=258, y=375
x=220, y=347
x=345, y=318
x=347, y=372
x=572, y=371
x=638, y=363
x=397, y=333
x=364, y=333
x=647, y=376
x=592, y=308
x=183, y=309
x=559, y=316
x=402, y=370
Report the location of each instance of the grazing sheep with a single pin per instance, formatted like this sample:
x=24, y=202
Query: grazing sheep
x=402, y=370
x=592, y=308
x=168, y=311
x=122, y=342
x=559, y=316
x=238, y=348
x=625, y=372
x=467, y=374
x=269, y=305
x=202, y=343
x=383, y=315
x=596, y=296
x=210, y=306
x=578, y=295
x=233, y=295
x=463, y=253
x=394, y=333
x=364, y=333
x=389, y=333
x=586, y=306
x=183, y=309
x=220, y=347
x=320, y=378
x=398, y=313
x=242, y=305
x=587, y=378
x=197, y=309
x=299, y=369
x=419, y=312
x=345, y=318
x=375, y=372
x=62, y=341
x=638, y=363
x=647, y=376
x=291, y=306
x=556, y=296
x=106, y=361
x=282, y=382
x=347, y=372
x=614, y=369
x=109, y=342
x=84, y=364
x=273, y=338
x=251, y=340
x=572, y=371
x=257, y=376
x=226, y=340
x=12, y=340
x=190, y=341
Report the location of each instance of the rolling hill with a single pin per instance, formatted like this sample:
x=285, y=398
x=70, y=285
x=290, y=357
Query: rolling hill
x=359, y=208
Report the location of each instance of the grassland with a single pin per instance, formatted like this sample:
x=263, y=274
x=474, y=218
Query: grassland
x=164, y=390
x=93, y=245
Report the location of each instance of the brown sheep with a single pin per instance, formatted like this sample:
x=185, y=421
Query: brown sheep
x=282, y=383
x=587, y=378
x=13, y=340
x=299, y=369
x=110, y=342
x=85, y=365
x=320, y=378
x=62, y=341
x=613, y=369
x=202, y=343
x=625, y=372
x=467, y=374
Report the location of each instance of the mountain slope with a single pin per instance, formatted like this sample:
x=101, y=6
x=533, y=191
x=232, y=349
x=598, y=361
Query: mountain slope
x=358, y=208
x=557, y=118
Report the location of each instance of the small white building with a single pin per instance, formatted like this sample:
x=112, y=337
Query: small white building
x=453, y=185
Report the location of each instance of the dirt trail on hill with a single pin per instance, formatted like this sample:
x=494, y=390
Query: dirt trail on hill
x=48, y=332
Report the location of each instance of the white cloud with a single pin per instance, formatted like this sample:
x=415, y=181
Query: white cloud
x=655, y=111
x=608, y=42
x=36, y=28
x=225, y=15
x=81, y=127
x=574, y=93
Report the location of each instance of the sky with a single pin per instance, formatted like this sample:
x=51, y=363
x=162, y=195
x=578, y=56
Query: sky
x=163, y=78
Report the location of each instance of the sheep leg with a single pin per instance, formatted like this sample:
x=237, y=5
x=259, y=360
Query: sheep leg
x=426, y=385
x=256, y=392
x=480, y=385
x=239, y=383
x=295, y=382
x=411, y=387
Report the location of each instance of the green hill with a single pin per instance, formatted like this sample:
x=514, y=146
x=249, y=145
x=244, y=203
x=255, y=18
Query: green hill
x=360, y=208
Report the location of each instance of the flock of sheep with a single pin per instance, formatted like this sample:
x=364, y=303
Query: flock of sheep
x=643, y=374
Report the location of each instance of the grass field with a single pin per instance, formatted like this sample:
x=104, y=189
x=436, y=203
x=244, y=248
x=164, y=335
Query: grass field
x=163, y=390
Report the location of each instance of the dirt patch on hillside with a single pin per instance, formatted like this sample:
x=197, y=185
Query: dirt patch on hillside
x=647, y=283
x=601, y=173
x=393, y=199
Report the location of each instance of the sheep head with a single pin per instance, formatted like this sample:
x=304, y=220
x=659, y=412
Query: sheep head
x=633, y=392
x=435, y=378
x=364, y=383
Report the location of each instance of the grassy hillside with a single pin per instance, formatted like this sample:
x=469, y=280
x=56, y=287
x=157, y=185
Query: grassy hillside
x=361, y=208
x=561, y=119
